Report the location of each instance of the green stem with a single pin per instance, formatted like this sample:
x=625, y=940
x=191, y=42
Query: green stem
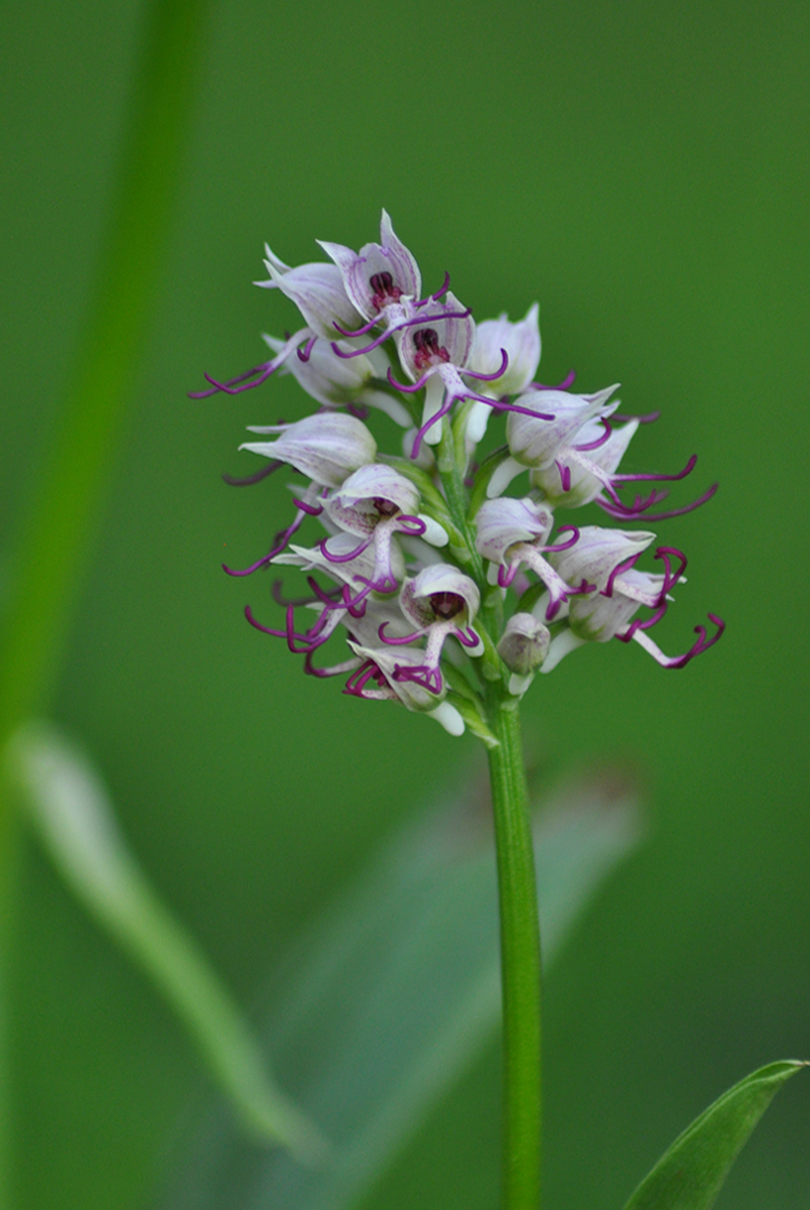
x=520, y=962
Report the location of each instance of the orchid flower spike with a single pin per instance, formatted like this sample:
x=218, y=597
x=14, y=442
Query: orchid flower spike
x=418, y=544
x=514, y=532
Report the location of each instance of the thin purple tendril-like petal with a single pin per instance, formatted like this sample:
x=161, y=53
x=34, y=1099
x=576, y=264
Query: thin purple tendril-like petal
x=490, y=377
x=405, y=323
x=648, y=418
x=607, y=591
x=440, y=415
x=409, y=388
x=594, y=445
x=305, y=353
x=372, y=323
x=670, y=578
x=687, y=470
x=467, y=636
x=312, y=510
x=232, y=382
x=279, y=634
x=414, y=527
x=567, y=382
x=353, y=554
x=507, y=574
x=249, y=480
x=445, y=286
x=565, y=475
x=279, y=543
x=568, y=543
x=417, y=634
x=498, y=405
x=334, y=670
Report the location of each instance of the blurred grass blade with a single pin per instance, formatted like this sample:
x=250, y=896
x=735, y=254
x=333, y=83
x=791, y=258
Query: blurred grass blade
x=691, y=1173
x=392, y=995
x=70, y=807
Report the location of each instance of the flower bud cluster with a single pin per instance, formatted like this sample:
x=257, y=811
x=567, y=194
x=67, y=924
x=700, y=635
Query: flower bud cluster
x=442, y=589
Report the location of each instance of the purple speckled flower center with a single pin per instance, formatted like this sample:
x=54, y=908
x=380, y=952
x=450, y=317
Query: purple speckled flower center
x=446, y=605
x=386, y=508
x=428, y=350
x=385, y=291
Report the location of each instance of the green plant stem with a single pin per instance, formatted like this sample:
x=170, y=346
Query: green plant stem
x=520, y=962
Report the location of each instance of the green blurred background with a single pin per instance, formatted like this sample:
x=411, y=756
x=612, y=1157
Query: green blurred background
x=641, y=170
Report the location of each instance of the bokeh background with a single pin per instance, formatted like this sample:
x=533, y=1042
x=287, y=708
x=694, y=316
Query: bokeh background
x=641, y=170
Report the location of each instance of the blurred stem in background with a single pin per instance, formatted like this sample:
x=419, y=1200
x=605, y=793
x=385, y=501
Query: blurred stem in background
x=56, y=537
x=520, y=964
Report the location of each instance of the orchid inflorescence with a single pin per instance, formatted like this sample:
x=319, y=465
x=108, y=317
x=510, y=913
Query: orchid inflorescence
x=441, y=585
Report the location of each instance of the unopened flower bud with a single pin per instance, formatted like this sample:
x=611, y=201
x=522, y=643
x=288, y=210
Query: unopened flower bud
x=524, y=644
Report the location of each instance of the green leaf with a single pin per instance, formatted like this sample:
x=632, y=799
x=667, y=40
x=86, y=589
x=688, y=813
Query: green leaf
x=71, y=811
x=691, y=1173
x=393, y=993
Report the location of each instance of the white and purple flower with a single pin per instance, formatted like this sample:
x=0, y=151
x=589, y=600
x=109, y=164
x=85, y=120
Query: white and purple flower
x=448, y=594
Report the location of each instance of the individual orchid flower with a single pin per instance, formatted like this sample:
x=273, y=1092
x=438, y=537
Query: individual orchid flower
x=335, y=381
x=575, y=478
x=537, y=442
x=511, y=533
x=351, y=604
x=441, y=601
x=382, y=281
x=608, y=558
x=375, y=503
x=434, y=354
x=317, y=290
x=379, y=677
x=521, y=343
x=353, y=568
x=574, y=459
x=327, y=447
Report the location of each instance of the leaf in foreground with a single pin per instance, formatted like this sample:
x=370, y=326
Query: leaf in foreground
x=391, y=996
x=691, y=1173
x=70, y=808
